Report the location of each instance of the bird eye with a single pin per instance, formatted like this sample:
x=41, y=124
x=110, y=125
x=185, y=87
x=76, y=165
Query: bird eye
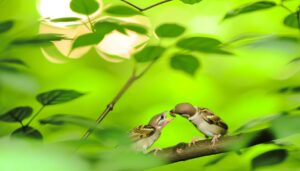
x=161, y=117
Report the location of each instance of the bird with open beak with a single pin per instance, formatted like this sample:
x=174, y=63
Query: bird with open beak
x=204, y=120
x=144, y=136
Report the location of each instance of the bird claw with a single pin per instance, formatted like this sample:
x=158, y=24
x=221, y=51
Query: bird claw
x=193, y=142
x=155, y=150
x=214, y=140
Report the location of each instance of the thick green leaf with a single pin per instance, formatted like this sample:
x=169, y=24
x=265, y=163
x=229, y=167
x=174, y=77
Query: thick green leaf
x=12, y=61
x=292, y=20
x=121, y=10
x=86, y=7
x=149, y=53
x=204, y=44
x=186, y=63
x=256, y=6
x=87, y=39
x=6, y=25
x=136, y=28
x=65, y=19
x=60, y=119
x=39, y=39
x=27, y=132
x=17, y=114
x=57, y=96
x=169, y=30
x=269, y=158
x=190, y=1
x=286, y=126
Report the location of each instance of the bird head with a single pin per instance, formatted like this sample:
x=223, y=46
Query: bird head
x=184, y=109
x=160, y=120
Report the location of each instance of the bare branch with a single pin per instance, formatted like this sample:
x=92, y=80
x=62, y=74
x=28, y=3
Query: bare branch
x=183, y=151
x=147, y=8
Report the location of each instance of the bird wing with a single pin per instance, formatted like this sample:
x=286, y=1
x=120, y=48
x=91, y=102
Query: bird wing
x=211, y=118
x=140, y=132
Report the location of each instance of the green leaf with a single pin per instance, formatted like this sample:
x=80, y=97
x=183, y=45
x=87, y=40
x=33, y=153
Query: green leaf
x=292, y=20
x=121, y=10
x=27, y=132
x=65, y=19
x=136, y=28
x=256, y=6
x=86, y=7
x=105, y=27
x=204, y=44
x=259, y=121
x=17, y=114
x=169, y=30
x=39, y=39
x=60, y=119
x=286, y=126
x=149, y=53
x=294, y=89
x=190, y=1
x=57, y=96
x=186, y=63
x=215, y=160
x=269, y=158
x=6, y=25
x=87, y=39
x=295, y=60
x=12, y=61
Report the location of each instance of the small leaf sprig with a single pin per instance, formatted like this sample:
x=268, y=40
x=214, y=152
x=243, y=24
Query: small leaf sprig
x=18, y=114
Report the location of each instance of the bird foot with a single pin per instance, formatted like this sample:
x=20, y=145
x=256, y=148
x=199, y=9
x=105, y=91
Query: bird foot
x=214, y=140
x=155, y=150
x=193, y=142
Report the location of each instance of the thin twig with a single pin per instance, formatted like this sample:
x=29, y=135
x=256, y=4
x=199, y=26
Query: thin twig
x=35, y=115
x=286, y=8
x=111, y=105
x=147, y=8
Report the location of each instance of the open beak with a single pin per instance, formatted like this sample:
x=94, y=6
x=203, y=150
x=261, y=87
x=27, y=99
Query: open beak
x=167, y=120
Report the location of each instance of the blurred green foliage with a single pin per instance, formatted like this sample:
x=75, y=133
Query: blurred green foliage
x=249, y=76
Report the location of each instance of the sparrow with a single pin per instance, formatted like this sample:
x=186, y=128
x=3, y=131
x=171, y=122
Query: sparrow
x=204, y=120
x=143, y=136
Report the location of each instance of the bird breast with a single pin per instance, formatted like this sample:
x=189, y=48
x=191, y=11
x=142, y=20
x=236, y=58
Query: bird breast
x=205, y=127
x=145, y=143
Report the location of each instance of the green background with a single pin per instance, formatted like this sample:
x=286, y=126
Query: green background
x=237, y=88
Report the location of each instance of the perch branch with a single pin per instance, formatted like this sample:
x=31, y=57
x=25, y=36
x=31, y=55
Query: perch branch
x=111, y=105
x=147, y=8
x=183, y=151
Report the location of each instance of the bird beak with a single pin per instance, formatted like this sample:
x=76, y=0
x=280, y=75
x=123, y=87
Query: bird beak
x=167, y=120
x=172, y=113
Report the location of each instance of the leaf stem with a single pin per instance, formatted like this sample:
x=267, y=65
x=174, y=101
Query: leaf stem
x=286, y=8
x=111, y=105
x=147, y=8
x=35, y=115
x=90, y=22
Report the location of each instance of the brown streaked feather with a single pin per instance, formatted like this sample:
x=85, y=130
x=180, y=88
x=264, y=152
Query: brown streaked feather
x=211, y=118
x=140, y=132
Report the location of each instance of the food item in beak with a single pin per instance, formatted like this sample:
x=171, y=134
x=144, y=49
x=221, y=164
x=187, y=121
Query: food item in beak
x=172, y=113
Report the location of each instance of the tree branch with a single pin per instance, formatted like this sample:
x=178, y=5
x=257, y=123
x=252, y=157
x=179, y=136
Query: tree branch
x=147, y=8
x=183, y=151
x=111, y=105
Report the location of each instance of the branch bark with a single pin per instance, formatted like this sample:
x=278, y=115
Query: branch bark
x=183, y=151
x=111, y=105
x=147, y=8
